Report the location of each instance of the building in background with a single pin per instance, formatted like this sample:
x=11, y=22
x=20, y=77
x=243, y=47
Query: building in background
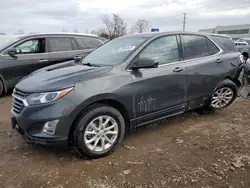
x=235, y=31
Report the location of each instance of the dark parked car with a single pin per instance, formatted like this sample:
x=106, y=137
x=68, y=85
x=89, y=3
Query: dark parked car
x=26, y=54
x=125, y=84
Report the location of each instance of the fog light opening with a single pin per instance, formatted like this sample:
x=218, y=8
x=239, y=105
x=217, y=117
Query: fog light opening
x=50, y=127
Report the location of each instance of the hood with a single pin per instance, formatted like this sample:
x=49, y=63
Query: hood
x=59, y=76
x=54, y=67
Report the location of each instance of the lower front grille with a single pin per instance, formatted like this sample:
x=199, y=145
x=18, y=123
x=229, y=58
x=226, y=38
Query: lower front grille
x=17, y=105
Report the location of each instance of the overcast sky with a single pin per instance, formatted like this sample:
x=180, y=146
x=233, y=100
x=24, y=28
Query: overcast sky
x=55, y=15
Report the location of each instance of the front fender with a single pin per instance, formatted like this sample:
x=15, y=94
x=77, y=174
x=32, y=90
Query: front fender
x=101, y=97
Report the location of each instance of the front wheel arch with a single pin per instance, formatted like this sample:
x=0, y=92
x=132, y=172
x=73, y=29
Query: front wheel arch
x=4, y=88
x=96, y=110
x=109, y=102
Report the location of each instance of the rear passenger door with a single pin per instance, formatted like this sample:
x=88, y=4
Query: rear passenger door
x=87, y=45
x=201, y=57
x=61, y=49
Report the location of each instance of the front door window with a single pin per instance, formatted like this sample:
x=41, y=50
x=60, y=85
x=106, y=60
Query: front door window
x=31, y=47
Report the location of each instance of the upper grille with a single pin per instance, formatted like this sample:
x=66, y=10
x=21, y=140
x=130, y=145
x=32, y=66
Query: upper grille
x=20, y=93
x=18, y=100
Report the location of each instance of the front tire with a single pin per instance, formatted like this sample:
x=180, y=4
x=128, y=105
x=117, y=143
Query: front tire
x=99, y=131
x=1, y=87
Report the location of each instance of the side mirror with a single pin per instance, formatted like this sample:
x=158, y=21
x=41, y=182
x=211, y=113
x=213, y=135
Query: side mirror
x=144, y=63
x=12, y=52
x=77, y=58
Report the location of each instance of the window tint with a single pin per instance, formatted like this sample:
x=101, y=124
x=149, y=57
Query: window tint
x=88, y=43
x=59, y=44
x=212, y=47
x=227, y=42
x=163, y=50
x=31, y=46
x=74, y=45
x=194, y=46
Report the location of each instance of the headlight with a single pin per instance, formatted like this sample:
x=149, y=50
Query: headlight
x=41, y=98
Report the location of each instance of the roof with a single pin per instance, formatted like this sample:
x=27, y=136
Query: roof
x=154, y=34
x=60, y=33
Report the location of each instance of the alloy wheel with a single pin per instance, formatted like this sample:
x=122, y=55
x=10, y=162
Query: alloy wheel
x=101, y=133
x=222, y=97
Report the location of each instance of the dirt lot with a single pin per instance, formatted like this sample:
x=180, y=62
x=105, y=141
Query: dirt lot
x=190, y=150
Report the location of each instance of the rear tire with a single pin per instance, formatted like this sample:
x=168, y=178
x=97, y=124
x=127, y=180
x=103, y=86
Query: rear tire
x=224, y=94
x=226, y=84
x=99, y=131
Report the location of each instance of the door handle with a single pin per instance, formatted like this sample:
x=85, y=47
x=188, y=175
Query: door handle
x=218, y=61
x=43, y=60
x=178, y=69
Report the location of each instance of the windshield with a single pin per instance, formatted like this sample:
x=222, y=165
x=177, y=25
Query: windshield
x=114, y=52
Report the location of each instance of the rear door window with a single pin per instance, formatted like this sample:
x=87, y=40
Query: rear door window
x=88, y=43
x=60, y=44
x=194, y=46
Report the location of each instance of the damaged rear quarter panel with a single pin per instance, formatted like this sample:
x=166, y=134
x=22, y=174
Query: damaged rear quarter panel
x=204, y=74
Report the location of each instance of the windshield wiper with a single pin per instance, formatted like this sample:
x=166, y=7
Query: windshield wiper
x=91, y=65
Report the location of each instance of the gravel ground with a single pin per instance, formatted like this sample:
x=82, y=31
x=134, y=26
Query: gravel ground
x=190, y=150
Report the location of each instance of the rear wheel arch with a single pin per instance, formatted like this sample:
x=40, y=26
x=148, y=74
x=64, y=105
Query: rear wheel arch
x=234, y=80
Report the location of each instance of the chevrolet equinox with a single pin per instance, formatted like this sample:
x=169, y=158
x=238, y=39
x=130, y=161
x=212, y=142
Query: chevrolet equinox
x=124, y=84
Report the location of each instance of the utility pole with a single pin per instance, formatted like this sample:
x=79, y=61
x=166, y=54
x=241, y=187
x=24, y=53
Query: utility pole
x=184, y=21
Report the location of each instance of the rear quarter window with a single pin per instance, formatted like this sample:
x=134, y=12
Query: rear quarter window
x=213, y=49
x=225, y=41
x=88, y=43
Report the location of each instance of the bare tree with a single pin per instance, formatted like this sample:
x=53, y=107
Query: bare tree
x=101, y=33
x=120, y=27
x=109, y=25
x=140, y=26
x=116, y=27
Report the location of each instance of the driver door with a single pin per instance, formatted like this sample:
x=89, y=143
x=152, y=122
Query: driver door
x=30, y=56
x=160, y=92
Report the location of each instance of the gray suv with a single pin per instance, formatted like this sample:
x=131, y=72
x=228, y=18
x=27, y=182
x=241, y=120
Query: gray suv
x=25, y=54
x=124, y=84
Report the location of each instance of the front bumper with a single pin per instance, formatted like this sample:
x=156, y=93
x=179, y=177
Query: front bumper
x=30, y=122
x=39, y=138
